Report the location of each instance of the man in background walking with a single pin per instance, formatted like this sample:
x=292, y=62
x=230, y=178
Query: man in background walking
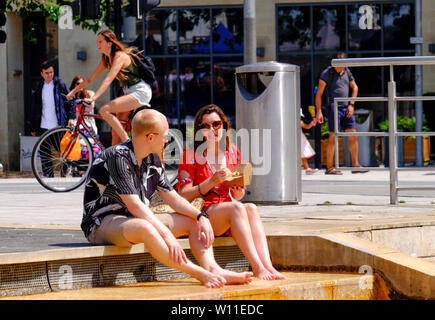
x=48, y=109
x=335, y=82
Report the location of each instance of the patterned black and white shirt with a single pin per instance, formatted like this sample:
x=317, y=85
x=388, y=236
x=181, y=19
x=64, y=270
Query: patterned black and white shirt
x=116, y=172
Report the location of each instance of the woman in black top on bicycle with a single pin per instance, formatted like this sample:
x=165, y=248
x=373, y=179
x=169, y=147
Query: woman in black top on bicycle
x=119, y=61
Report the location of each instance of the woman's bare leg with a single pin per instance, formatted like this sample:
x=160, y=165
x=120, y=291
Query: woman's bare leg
x=118, y=105
x=182, y=226
x=260, y=241
x=233, y=214
x=123, y=116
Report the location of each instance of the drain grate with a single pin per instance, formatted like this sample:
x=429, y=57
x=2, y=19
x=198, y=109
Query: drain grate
x=104, y=271
x=73, y=274
x=127, y=269
x=21, y=279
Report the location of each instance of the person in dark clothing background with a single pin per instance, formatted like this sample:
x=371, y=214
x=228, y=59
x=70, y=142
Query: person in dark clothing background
x=335, y=82
x=48, y=109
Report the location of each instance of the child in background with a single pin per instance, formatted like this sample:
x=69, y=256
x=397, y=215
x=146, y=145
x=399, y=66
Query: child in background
x=306, y=150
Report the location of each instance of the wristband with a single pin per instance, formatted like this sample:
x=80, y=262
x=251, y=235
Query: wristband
x=351, y=104
x=202, y=214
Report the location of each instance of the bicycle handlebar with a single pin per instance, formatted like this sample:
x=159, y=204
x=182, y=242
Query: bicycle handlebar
x=75, y=100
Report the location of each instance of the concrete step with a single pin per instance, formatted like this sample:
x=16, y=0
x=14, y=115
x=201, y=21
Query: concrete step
x=297, y=286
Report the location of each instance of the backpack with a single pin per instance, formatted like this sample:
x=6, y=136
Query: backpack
x=145, y=67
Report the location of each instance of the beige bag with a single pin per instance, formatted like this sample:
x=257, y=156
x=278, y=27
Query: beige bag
x=159, y=206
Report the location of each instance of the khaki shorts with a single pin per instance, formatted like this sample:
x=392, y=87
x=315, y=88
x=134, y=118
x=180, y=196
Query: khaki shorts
x=110, y=230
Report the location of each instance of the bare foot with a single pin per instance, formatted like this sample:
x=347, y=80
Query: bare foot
x=277, y=275
x=264, y=274
x=232, y=277
x=211, y=280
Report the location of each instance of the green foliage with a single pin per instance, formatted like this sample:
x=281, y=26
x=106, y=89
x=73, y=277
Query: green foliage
x=51, y=9
x=324, y=130
x=25, y=8
x=404, y=123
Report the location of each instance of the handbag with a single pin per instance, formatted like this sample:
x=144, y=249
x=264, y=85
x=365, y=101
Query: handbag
x=74, y=151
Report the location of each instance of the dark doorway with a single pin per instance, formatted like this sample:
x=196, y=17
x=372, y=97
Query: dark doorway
x=39, y=44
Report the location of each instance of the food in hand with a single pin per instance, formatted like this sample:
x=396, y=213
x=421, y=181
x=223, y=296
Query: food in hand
x=241, y=176
x=228, y=173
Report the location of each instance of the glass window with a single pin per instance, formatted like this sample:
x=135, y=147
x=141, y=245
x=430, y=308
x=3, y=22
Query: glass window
x=228, y=30
x=398, y=26
x=369, y=82
x=304, y=62
x=321, y=62
x=361, y=74
x=224, y=94
x=165, y=96
x=404, y=76
x=161, y=32
x=182, y=43
x=195, y=90
x=364, y=27
x=194, y=30
x=294, y=29
x=329, y=28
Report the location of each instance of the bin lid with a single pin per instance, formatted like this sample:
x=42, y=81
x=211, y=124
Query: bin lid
x=267, y=66
x=362, y=111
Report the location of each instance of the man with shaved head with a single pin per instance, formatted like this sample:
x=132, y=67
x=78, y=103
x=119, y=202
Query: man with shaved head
x=116, y=205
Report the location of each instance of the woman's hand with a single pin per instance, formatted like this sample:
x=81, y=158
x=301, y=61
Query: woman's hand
x=238, y=192
x=90, y=101
x=220, y=176
x=70, y=95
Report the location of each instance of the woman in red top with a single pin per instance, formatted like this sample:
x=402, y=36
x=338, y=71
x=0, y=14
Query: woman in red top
x=202, y=173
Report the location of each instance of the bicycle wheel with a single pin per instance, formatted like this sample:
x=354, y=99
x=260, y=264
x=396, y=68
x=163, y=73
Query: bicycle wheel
x=172, y=155
x=56, y=172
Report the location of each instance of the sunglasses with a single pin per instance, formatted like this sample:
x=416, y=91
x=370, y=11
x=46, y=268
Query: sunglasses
x=214, y=124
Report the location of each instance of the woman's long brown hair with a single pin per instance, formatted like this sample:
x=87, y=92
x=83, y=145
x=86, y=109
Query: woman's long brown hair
x=110, y=36
x=82, y=94
x=208, y=109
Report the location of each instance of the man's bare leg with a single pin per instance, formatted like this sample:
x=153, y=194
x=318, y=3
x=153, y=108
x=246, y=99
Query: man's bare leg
x=353, y=148
x=141, y=231
x=330, y=150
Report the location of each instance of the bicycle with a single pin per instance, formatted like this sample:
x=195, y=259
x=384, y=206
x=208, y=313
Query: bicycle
x=55, y=161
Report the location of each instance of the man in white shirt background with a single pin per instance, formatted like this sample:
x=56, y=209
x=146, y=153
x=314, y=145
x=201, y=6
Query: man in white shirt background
x=48, y=109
